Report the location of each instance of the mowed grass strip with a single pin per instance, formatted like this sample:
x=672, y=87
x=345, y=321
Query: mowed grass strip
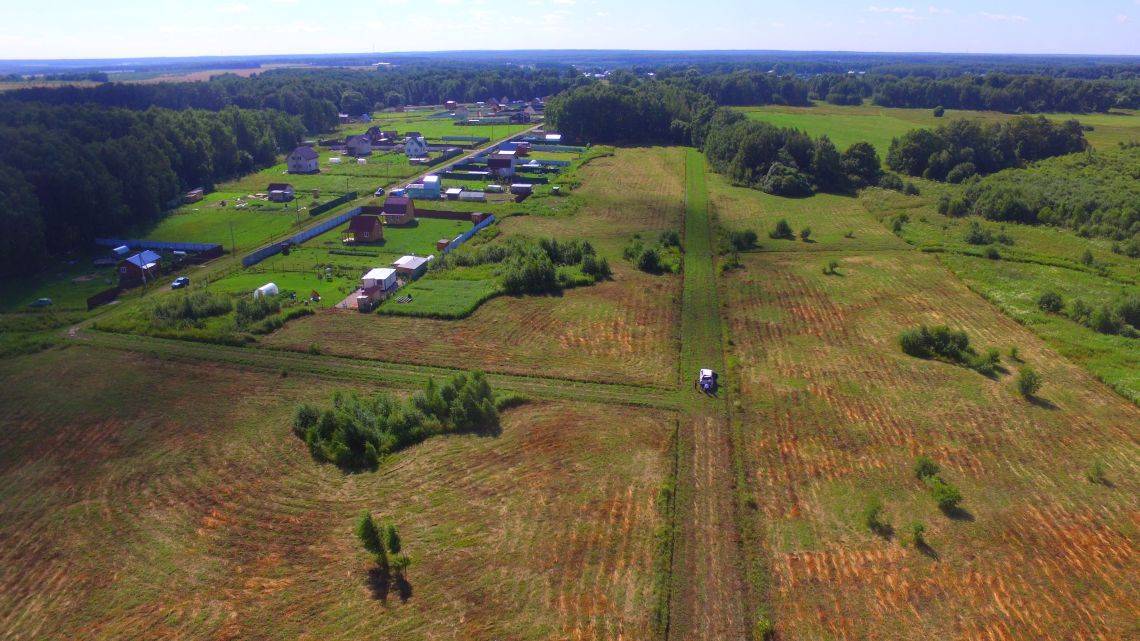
x=836, y=415
x=173, y=498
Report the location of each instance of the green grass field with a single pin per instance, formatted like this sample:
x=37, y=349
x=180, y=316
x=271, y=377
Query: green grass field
x=846, y=125
x=439, y=297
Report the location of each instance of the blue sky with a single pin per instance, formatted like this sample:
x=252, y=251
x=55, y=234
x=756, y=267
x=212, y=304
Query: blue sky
x=134, y=28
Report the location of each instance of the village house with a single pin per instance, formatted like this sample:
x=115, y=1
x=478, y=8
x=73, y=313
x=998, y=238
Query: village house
x=427, y=189
x=461, y=113
x=364, y=228
x=502, y=163
x=140, y=268
x=374, y=287
x=412, y=267
x=358, y=146
x=194, y=195
x=303, y=160
x=398, y=210
x=280, y=192
x=415, y=146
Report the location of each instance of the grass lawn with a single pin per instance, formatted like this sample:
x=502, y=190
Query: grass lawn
x=303, y=283
x=68, y=286
x=846, y=125
x=442, y=298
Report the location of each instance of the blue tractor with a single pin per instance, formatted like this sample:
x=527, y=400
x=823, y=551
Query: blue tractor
x=706, y=381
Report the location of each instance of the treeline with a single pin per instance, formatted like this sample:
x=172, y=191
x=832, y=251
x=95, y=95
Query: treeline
x=1095, y=193
x=652, y=112
x=71, y=173
x=317, y=95
x=1007, y=93
x=963, y=148
x=742, y=87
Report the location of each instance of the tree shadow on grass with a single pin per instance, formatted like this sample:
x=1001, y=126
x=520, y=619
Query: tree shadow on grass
x=958, y=514
x=1043, y=403
x=379, y=582
x=926, y=550
x=884, y=530
x=403, y=588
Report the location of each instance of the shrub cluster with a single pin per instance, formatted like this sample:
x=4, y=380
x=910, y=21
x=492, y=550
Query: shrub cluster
x=950, y=345
x=945, y=494
x=531, y=267
x=189, y=309
x=651, y=257
x=1121, y=317
x=356, y=432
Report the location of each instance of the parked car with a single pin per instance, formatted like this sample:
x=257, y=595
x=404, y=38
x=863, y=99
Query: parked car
x=40, y=302
x=379, y=192
x=180, y=282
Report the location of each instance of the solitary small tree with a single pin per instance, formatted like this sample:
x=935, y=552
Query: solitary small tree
x=1096, y=473
x=369, y=536
x=392, y=539
x=1028, y=382
x=805, y=234
x=916, y=534
x=873, y=516
x=946, y=495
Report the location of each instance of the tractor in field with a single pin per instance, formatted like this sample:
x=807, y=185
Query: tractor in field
x=707, y=381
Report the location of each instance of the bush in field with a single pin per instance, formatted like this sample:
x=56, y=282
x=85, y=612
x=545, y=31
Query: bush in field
x=992, y=253
x=1104, y=320
x=189, y=309
x=742, y=240
x=945, y=495
x=831, y=268
x=939, y=112
x=1050, y=301
x=961, y=171
x=1096, y=474
x=873, y=516
x=763, y=630
x=782, y=180
x=910, y=189
x=916, y=535
x=250, y=310
x=954, y=206
x=978, y=235
x=598, y=268
x=950, y=345
x=650, y=260
x=1080, y=311
x=782, y=231
x=1028, y=382
x=356, y=432
x=533, y=273
x=805, y=234
x=670, y=238
x=925, y=467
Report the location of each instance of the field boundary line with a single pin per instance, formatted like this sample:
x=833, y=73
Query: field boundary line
x=400, y=374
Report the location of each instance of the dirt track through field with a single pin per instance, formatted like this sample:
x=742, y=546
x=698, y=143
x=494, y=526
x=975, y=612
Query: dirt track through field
x=709, y=597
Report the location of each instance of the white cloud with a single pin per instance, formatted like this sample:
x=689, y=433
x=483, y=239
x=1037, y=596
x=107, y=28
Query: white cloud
x=1003, y=17
x=902, y=10
x=1121, y=18
x=233, y=8
x=938, y=10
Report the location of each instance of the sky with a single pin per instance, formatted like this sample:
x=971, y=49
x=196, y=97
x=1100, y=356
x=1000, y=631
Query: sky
x=144, y=28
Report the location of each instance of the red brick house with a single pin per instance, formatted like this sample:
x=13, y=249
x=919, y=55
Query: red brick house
x=364, y=228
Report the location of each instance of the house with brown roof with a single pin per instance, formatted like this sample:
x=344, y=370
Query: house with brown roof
x=364, y=228
x=398, y=210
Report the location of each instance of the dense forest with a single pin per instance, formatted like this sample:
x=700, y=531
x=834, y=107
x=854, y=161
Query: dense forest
x=317, y=95
x=963, y=148
x=1096, y=193
x=71, y=173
